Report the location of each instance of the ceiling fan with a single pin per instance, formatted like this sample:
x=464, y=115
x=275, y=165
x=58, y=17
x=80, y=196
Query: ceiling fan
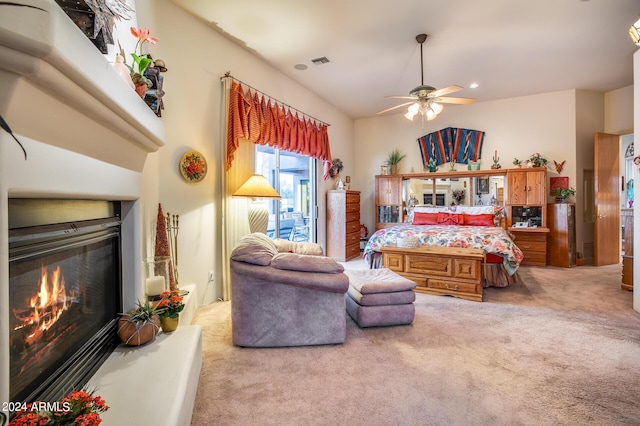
x=427, y=100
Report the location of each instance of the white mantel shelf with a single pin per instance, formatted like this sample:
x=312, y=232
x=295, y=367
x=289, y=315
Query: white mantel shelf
x=50, y=72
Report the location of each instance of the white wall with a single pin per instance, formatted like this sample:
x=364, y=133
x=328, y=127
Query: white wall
x=196, y=57
x=618, y=113
x=589, y=118
x=515, y=127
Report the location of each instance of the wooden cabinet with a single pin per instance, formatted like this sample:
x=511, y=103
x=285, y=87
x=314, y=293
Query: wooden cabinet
x=343, y=225
x=389, y=205
x=527, y=186
x=533, y=243
x=561, y=218
x=627, y=249
x=439, y=270
x=527, y=205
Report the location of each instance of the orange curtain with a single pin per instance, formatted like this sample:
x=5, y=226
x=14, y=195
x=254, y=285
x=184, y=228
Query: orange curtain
x=255, y=118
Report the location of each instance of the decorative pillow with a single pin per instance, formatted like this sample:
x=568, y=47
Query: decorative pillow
x=450, y=219
x=473, y=210
x=286, y=246
x=479, y=219
x=306, y=263
x=256, y=248
x=420, y=218
x=430, y=209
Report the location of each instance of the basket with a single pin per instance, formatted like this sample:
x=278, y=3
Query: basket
x=408, y=242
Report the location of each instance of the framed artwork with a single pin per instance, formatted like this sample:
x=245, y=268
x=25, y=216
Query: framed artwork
x=558, y=182
x=193, y=166
x=483, y=185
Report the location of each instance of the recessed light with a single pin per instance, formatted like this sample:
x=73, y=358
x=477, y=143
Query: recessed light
x=473, y=85
x=300, y=67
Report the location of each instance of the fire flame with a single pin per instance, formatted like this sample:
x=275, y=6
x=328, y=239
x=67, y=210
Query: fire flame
x=46, y=306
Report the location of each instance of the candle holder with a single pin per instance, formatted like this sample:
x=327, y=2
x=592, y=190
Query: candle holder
x=156, y=277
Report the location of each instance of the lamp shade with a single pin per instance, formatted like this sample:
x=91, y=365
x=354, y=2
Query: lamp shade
x=256, y=186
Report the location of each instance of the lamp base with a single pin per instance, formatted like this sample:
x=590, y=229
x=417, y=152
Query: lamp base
x=258, y=217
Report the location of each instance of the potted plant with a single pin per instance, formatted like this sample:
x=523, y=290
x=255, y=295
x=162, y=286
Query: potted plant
x=77, y=408
x=141, y=61
x=562, y=194
x=432, y=166
x=517, y=163
x=139, y=325
x=536, y=160
x=394, y=158
x=579, y=258
x=170, y=305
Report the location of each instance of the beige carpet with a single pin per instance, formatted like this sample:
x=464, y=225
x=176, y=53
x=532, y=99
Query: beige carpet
x=562, y=347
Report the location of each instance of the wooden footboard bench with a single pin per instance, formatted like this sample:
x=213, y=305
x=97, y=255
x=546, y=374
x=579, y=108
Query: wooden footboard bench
x=439, y=270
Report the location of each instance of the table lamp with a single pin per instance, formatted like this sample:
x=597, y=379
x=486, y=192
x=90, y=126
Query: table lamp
x=257, y=187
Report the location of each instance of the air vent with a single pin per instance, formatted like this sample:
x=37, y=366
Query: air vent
x=320, y=61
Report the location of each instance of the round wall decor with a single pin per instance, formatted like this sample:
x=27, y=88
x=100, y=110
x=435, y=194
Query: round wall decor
x=193, y=166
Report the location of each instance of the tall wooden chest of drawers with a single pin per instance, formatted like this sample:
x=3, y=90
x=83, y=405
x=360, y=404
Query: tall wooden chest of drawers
x=343, y=224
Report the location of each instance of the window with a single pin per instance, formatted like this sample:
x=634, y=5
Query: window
x=293, y=176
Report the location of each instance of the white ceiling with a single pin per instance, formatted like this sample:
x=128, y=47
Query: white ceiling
x=510, y=47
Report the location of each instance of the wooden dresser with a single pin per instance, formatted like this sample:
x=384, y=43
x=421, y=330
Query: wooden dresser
x=343, y=224
x=439, y=270
x=533, y=243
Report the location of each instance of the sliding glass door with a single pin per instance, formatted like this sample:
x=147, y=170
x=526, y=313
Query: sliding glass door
x=293, y=176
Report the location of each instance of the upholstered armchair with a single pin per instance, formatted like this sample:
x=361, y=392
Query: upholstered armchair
x=285, y=298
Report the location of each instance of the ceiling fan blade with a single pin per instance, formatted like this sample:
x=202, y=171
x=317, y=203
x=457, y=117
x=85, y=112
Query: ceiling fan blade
x=401, y=97
x=447, y=100
x=397, y=106
x=445, y=91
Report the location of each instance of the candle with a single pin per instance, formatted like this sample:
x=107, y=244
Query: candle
x=155, y=285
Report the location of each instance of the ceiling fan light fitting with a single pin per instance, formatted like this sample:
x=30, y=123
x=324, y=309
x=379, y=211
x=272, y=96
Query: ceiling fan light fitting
x=436, y=107
x=409, y=116
x=634, y=32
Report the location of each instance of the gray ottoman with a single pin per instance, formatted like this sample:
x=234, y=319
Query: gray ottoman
x=379, y=297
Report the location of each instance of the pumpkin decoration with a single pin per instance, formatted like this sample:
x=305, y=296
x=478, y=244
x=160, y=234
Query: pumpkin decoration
x=139, y=325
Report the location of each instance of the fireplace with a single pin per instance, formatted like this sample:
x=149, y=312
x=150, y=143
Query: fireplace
x=64, y=293
x=87, y=136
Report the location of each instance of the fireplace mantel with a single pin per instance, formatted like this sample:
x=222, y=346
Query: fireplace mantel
x=57, y=87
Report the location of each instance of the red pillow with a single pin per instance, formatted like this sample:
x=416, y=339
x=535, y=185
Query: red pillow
x=450, y=219
x=479, y=220
x=420, y=218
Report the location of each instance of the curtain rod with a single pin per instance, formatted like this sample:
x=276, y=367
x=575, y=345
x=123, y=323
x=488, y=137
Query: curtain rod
x=228, y=75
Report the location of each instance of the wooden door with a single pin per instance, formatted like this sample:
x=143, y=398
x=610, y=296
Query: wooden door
x=388, y=190
x=536, y=187
x=606, y=158
x=517, y=181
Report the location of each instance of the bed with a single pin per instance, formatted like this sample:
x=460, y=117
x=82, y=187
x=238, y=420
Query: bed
x=456, y=226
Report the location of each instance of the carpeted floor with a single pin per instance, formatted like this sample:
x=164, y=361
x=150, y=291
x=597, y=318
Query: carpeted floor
x=562, y=347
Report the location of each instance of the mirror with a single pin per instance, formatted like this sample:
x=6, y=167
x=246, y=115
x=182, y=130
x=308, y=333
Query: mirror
x=463, y=191
x=448, y=191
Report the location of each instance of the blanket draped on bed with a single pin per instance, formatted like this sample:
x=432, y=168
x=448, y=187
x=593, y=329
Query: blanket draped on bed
x=451, y=144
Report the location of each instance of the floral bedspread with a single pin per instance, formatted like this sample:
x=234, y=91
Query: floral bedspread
x=494, y=240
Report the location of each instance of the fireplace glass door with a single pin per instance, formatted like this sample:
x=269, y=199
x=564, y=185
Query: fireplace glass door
x=64, y=294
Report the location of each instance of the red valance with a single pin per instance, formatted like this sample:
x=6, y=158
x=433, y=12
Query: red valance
x=255, y=118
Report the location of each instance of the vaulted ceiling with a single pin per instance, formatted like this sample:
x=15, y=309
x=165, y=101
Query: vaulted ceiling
x=509, y=47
